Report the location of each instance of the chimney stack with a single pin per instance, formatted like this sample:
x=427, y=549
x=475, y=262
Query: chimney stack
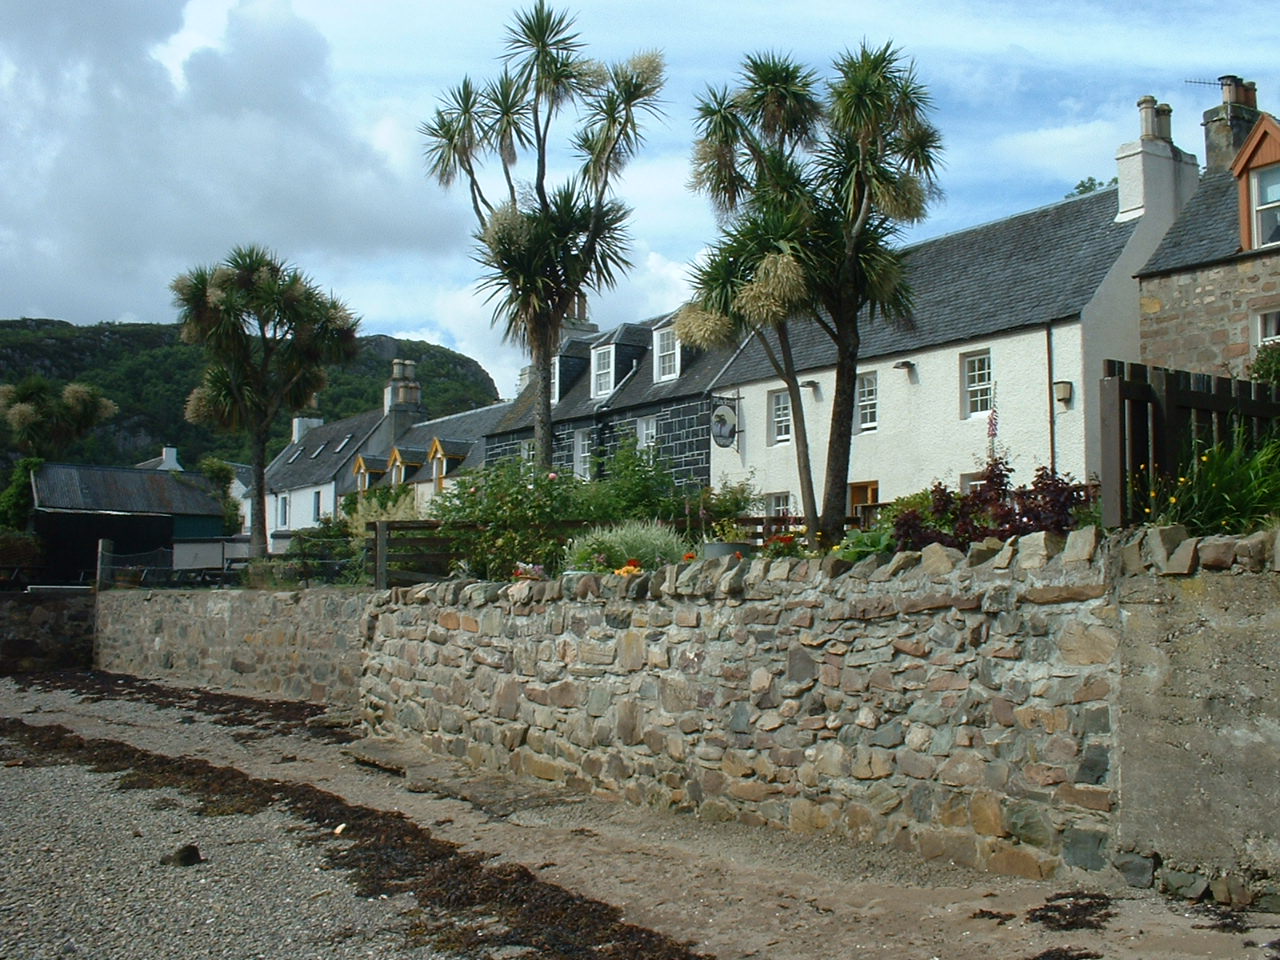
x=1154, y=176
x=1227, y=126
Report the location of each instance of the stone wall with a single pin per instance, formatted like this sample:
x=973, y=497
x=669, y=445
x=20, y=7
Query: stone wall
x=958, y=707
x=1205, y=320
x=299, y=645
x=45, y=631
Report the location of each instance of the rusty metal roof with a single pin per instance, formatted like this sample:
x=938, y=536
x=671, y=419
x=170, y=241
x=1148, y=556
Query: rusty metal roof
x=68, y=486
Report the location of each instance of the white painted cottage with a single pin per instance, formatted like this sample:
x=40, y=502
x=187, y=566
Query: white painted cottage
x=1012, y=321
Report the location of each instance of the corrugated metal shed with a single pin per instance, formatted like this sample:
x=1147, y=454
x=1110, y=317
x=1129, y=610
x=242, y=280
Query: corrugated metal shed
x=95, y=489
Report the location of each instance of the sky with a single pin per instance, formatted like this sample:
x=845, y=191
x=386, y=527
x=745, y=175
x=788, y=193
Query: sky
x=140, y=138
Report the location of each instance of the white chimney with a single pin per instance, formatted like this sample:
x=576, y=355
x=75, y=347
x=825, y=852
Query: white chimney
x=1154, y=176
x=304, y=425
x=169, y=459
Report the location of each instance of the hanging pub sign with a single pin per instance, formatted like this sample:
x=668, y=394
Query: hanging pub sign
x=724, y=424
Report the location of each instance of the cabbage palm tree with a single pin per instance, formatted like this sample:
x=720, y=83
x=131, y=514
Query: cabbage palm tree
x=268, y=333
x=43, y=420
x=543, y=245
x=811, y=181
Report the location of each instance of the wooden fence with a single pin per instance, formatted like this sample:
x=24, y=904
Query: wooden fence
x=1153, y=420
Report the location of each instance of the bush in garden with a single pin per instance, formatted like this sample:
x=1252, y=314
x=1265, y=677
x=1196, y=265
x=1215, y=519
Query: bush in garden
x=994, y=508
x=512, y=512
x=634, y=484
x=327, y=552
x=607, y=548
x=860, y=544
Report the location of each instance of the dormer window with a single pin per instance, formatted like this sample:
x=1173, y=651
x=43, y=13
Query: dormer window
x=602, y=372
x=1266, y=205
x=666, y=350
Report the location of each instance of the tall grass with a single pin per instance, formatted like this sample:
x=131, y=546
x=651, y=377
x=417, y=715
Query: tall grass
x=1226, y=488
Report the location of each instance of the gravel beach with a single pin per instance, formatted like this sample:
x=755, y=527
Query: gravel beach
x=81, y=871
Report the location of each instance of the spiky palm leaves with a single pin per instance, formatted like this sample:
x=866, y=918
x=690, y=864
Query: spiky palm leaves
x=810, y=181
x=543, y=246
x=268, y=333
x=43, y=421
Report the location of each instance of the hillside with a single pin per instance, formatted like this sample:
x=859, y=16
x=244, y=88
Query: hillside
x=147, y=370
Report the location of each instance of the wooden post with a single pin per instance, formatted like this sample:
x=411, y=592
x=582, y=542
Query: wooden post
x=1111, y=473
x=381, y=541
x=105, y=547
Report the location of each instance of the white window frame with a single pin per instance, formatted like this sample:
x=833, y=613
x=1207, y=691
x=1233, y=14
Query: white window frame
x=555, y=379
x=1268, y=326
x=666, y=355
x=1261, y=208
x=528, y=450
x=602, y=371
x=977, y=383
x=780, y=424
x=779, y=504
x=582, y=453
x=315, y=505
x=868, y=394
x=282, y=511
x=646, y=432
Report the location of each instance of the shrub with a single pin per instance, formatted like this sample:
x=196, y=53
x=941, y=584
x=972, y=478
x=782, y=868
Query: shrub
x=1266, y=364
x=327, y=552
x=15, y=499
x=860, y=544
x=607, y=548
x=994, y=508
x=634, y=484
x=511, y=512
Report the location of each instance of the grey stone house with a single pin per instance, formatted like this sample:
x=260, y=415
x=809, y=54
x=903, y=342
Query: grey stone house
x=634, y=380
x=1210, y=294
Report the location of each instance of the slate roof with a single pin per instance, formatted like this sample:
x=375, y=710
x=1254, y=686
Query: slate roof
x=96, y=489
x=634, y=390
x=461, y=434
x=1207, y=230
x=1022, y=271
x=323, y=454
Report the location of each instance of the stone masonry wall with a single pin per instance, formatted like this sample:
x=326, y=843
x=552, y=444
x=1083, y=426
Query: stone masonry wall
x=958, y=707
x=42, y=631
x=1205, y=320
x=299, y=645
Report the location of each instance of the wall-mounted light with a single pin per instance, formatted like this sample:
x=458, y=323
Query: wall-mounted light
x=1063, y=391
x=811, y=384
x=904, y=365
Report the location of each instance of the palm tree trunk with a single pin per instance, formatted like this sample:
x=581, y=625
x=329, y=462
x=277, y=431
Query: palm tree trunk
x=840, y=440
x=540, y=354
x=258, y=505
x=799, y=427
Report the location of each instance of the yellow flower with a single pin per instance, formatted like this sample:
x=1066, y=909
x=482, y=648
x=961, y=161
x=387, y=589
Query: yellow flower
x=1204, y=458
x=1173, y=499
x=1146, y=510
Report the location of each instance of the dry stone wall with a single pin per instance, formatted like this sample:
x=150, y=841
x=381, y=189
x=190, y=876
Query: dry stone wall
x=956, y=706
x=299, y=645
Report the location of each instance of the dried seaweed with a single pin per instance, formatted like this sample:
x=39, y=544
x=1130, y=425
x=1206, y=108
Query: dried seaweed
x=1075, y=910
x=463, y=904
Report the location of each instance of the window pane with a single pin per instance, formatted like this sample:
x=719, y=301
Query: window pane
x=1269, y=225
x=867, y=416
x=1268, y=185
x=977, y=379
x=780, y=416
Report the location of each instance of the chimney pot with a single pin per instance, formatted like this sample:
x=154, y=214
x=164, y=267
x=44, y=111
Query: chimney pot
x=397, y=369
x=1164, y=122
x=1251, y=95
x=1232, y=88
x=1147, y=117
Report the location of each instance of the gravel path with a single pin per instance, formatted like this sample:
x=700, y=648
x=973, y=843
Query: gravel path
x=80, y=872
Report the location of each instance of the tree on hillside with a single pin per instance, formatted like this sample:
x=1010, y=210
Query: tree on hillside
x=543, y=246
x=811, y=180
x=267, y=332
x=43, y=420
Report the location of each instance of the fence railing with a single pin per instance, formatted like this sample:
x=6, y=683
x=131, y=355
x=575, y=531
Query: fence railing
x=1153, y=418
